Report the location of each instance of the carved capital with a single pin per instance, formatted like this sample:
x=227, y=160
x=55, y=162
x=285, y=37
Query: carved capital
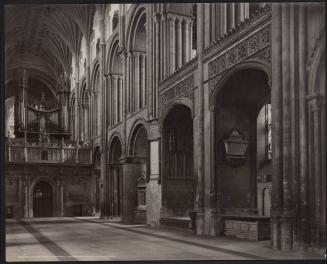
x=156, y=17
x=315, y=100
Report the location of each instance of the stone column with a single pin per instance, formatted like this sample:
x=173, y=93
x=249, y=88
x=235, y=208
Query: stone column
x=157, y=63
x=26, y=193
x=316, y=178
x=137, y=81
x=144, y=90
x=132, y=82
x=180, y=42
x=172, y=47
x=213, y=21
x=62, y=205
x=129, y=200
x=187, y=45
x=150, y=55
x=161, y=37
x=286, y=226
x=164, y=46
x=217, y=20
x=246, y=10
x=276, y=106
x=223, y=19
x=22, y=86
x=20, y=194
x=77, y=125
x=153, y=191
x=199, y=141
x=123, y=56
x=239, y=12
x=103, y=118
x=208, y=24
x=303, y=142
x=128, y=83
x=114, y=99
x=230, y=16
x=108, y=98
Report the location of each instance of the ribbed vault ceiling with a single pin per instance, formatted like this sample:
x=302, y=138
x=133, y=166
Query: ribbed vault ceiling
x=44, y=38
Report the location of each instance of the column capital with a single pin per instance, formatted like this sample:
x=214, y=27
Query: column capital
x=156, y=17
x=164, y=17
x=122, y=53
x=315, y=100
x=107, y=76
x=171, y=17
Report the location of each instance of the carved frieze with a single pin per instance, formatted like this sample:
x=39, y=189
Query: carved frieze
x=176, y=91
x=256, y=46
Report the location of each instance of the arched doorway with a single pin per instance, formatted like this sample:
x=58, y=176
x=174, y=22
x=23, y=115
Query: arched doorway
x=178, y=179
x=139, y=150
x=237, y=107
x=115, y=178
x=42, y=200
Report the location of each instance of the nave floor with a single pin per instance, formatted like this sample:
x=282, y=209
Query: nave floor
x=94, y=239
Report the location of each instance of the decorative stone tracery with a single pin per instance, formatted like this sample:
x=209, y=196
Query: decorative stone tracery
x=182, y=89
x=256, y=46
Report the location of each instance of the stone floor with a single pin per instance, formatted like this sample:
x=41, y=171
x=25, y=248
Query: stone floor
x=90, y=238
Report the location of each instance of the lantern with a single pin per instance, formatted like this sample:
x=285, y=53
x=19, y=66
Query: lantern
x=235, y=147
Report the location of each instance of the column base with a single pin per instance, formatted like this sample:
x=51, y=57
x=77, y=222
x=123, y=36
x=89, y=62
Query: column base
x=286, y=233
x=200, y=219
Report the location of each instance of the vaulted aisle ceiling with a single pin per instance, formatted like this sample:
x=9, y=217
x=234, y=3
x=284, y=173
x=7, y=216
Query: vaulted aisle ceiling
x=44, y=38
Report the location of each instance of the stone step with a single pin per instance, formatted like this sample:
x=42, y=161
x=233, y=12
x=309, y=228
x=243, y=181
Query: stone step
x=176, y=223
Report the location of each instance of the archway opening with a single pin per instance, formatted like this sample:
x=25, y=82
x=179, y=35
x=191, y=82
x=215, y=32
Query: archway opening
x=237, y=107
x=42, y=200
x=178, y=177
x=139, y=150
x=115, y=89
x=264, y=160
x=115, y=178
x=137, y=64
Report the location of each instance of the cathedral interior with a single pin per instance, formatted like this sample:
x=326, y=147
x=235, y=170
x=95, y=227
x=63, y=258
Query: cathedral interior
x=204, y=118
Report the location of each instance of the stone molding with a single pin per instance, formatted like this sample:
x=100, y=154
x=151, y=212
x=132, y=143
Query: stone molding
x=182, y=89
x=255, y=47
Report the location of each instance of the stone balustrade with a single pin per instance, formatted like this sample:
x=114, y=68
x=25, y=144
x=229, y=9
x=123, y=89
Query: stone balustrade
x=44, y=152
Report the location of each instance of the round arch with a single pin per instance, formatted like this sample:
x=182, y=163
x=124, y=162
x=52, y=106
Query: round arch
x=95, y=72
x=137, y=13
x=112, y=148
x=111, y=49
x=181, y=101
x=236, y=107
x=251, y=64
x=138, y=123
x=51, y=182
x=177, y=159
x=317, y=66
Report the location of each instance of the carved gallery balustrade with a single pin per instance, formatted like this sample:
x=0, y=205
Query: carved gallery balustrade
x=18, y=151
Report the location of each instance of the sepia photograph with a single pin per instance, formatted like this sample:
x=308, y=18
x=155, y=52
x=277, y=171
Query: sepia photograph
x=164, y=131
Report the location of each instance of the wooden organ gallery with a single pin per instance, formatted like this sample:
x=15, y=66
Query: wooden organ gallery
x=208, y=118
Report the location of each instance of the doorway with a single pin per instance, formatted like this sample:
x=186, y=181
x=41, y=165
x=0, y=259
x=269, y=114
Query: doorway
x=42, y=200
